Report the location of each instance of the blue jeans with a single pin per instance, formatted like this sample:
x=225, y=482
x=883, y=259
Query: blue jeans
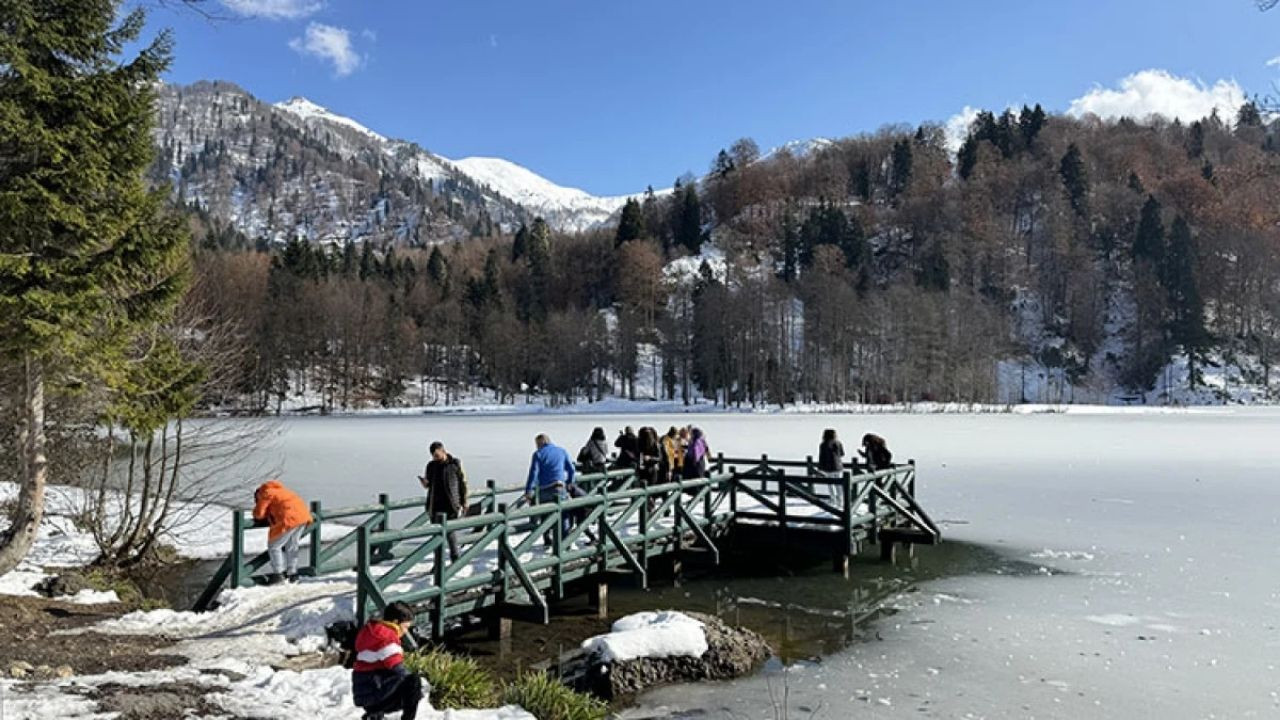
x=550, y=494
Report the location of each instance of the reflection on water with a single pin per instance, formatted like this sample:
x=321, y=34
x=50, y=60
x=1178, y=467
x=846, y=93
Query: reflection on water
x=804, y=611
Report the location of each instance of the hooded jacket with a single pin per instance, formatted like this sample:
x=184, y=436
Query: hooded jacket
x=280, y=507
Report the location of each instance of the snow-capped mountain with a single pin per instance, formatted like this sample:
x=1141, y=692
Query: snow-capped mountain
x=271, y=172
x=564, y=207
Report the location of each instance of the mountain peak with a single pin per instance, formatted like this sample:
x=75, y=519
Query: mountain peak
x=309, y=111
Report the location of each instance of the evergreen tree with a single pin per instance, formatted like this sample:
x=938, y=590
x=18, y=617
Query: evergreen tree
x=689, y=219
x=89, y=258
x=1075, y=178
x=520, y=244
x=536, y=304
x=860, y=179
x=631, y=224
x=368, y=261
x=723, y=165
x=1186, y=306
x=438, y=267
x=1031, y=122
x=1148, y=243
x=900, y=179
x=1248, y=116
x=1195, y=140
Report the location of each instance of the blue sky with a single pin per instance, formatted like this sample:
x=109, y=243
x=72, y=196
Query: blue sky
x=610, y=95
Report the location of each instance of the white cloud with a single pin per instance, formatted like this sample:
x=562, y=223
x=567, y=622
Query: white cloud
x=274, y=9
x=1274, y=62
x=957, y=127
x=1159, y=92
x=329, y=43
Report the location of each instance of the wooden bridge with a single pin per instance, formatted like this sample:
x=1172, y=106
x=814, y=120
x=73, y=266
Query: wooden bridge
x=515, y=558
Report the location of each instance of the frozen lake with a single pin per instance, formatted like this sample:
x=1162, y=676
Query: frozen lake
x=1166, y=523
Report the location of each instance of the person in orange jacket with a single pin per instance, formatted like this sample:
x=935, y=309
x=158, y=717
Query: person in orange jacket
x=280, y=508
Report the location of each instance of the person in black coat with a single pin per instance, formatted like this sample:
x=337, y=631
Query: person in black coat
x=628, y=448
x=594, y=456
x=831, y=460
x=876, y=452
x=446, y=485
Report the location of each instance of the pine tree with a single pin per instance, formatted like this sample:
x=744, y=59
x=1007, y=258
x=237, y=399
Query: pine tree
x=900, y=179
x=1075, y=178
x=520, y=244
x=1248, y=116
x=1031, y=122
x=89, y=258
x=1186, y=324
x=438, y=267
x=688, y=210
x=631, y=224
x=1148, y=243
x=539, y=258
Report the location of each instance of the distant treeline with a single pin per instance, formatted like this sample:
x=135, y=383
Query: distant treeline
x=877, y=268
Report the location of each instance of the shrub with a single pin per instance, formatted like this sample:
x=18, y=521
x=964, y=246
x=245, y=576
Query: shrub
x=548, y=699
x=456, y=683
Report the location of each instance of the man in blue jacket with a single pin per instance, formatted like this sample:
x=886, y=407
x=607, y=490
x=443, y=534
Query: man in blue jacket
x=550, y=475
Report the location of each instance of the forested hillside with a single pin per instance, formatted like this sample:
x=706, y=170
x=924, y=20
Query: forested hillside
x=1050, y=259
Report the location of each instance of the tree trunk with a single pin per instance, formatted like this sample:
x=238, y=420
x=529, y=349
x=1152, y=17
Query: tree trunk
x=33, y=464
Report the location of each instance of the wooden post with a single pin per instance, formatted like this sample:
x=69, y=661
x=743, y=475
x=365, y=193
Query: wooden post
x=500, y=631
x=733, y=492
x=238, y=575
x=362, y=570
x=887, y=551
x=557, y=546
x=492, y=504
x=840, y=564
x=598, y=596
x=764, y=472
x=437, y=620
x=314, y=550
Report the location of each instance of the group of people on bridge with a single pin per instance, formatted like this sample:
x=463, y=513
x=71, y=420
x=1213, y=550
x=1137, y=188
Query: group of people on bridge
x=680, y=453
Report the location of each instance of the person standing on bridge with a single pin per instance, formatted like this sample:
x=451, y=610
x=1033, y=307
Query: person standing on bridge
x=550, y=474
x=831, y=461
x=380, y=683
x=672, y=455
x=876, y=452
x=628, y=448
x=594, y=456
x=280, y=508
x=695, y=456
x=446, y=485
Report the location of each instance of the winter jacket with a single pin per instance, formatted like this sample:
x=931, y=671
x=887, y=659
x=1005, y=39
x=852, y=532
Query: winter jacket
x=695, y=457
x=628, y=450
x=550, y=465
x=280, y=507
x=379, y=666
x=594, y=456
x=831, y=456
x=877, y=453
x=446, y=485
x=672, y=453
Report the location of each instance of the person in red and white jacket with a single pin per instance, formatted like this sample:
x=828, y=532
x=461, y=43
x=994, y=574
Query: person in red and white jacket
x=380, y=683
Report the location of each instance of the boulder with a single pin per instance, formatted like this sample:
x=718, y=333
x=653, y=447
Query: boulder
x=731, y=652
x=65, y=584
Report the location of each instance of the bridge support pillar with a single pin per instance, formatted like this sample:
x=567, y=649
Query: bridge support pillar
x=500, y=630
x=840, y=564
x=888, y=550
x=598, y=597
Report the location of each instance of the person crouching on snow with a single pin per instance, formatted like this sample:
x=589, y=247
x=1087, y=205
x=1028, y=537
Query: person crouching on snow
x=287, y=515
x=380, y=683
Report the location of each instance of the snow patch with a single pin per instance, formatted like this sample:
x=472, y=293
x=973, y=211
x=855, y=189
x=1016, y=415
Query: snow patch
x=650, y=635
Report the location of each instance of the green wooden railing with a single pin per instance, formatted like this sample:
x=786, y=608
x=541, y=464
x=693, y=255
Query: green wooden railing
x=516, y=554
